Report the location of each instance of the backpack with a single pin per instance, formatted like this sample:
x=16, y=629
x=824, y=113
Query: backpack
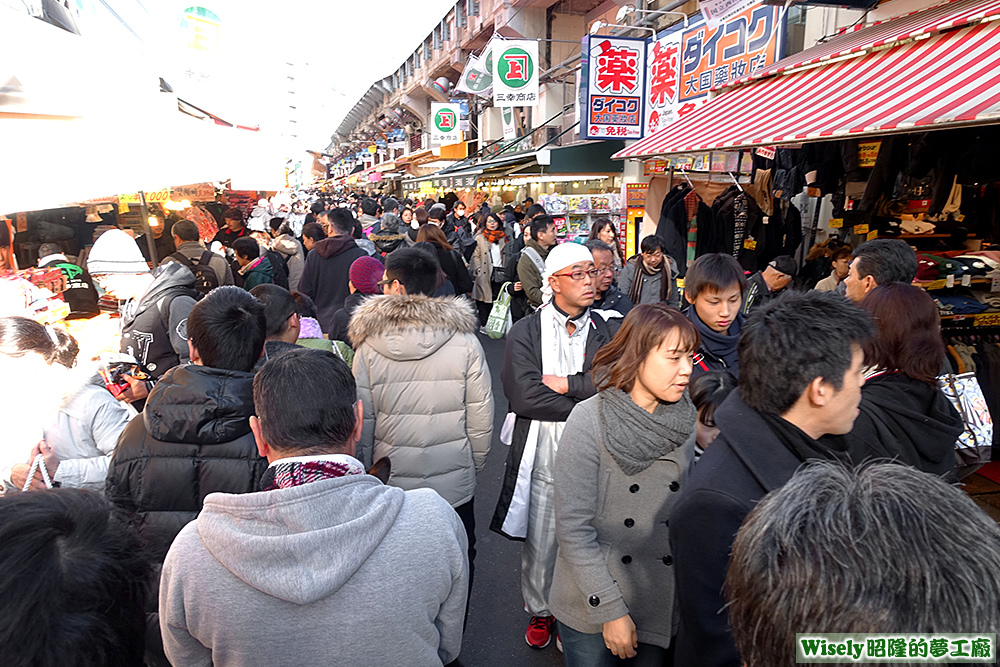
x=279, y=268
x=205, y=279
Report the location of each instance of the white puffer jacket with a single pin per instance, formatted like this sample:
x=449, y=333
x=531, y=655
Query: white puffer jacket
x=427, y=393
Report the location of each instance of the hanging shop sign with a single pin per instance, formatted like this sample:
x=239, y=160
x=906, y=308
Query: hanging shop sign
x=194, y=192
x=718, y=11
x=153, y=196
x=662, y=82
x=444, y=124
x=516, y=80
x=713, y=56
x=509, y=128
x=613, y=84
x=868, y=153
x=475, y=79
x=653, y=167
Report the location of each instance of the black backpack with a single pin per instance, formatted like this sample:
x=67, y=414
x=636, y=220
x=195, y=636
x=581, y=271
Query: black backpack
x=279, y=268
x=205, y=279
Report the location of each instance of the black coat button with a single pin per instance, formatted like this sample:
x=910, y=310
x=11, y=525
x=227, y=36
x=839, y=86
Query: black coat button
x=594, y=601
x=626, y=559
x=668, y=560
x=629, y=523
x=674, y=486
x=634, y=488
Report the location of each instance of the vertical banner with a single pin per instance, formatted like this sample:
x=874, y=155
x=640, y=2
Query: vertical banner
x=717, y=11
x=515, y=80
x=444, y=124
x=663, y=60
x=509, y=127
x=475, y=79
x=614, y=87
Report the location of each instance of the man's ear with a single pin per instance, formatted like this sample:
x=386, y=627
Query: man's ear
x=869, y=283
x=258, y=435
x=193, y=353
x=818, y=392
x=554, y=284
x=359, y=422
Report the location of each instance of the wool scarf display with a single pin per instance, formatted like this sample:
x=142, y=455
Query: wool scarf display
x=639, y=437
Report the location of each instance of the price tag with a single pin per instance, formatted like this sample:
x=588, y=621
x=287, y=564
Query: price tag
x=966, y=280
x=836, y=223
x=873, y=234
x=750, y=244
x=937, y=284
x=987, y=320
x=995, y=282
x=860, y=229
x=767, y=219
x=950, y=281
x=122, y=208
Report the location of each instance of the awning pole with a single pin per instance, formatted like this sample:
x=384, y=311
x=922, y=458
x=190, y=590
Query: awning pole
x=149, y=230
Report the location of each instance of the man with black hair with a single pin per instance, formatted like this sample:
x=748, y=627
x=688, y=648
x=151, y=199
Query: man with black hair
x=194, y=436
x=714, y=288
x=878, y=262
x=235, y=228
x=325, y=560
x=767, y=284
x=255, y=266
x=648, y=277
x=189, y=247
x=425, y=385
x=884, y=549
x=531, y=265
x=789, y=397
x=326, y=274
x=282, y=318
x=312, y=233
x=609, y=301
x=369, y=211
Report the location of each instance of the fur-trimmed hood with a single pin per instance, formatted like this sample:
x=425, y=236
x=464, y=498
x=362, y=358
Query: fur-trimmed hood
x=410, y=327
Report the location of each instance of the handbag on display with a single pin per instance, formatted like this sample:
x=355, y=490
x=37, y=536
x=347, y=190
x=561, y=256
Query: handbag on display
x=974, y=447
x=499, y=321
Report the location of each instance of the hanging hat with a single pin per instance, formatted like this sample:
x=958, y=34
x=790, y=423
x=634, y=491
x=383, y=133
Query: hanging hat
x=115, y=252
x=365, y=272
x=561, y=257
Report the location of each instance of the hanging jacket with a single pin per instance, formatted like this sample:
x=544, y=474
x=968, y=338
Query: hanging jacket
x=192, y=439
x=671, y=229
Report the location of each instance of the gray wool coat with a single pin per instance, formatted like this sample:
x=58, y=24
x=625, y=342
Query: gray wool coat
x=614, y=541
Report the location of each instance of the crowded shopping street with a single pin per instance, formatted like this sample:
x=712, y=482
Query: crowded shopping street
x=499, y=332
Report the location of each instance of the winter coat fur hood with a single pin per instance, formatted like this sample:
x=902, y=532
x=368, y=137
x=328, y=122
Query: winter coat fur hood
x=426, y=389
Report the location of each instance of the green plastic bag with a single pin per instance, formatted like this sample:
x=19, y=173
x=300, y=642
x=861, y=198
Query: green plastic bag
x=499, y=320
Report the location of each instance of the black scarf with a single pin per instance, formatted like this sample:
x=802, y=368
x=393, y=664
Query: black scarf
x=641, y=270
x=638, y=437
x=800, y=444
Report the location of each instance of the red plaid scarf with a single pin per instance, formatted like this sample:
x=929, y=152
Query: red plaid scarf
x=287, y=473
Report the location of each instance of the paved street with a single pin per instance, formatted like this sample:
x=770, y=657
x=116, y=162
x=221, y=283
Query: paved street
x=495, y=634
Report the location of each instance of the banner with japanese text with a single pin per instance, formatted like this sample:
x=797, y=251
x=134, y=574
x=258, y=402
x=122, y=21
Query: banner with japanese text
x=475, y=79
x=662, y=82
x=612, y=87
x=444, y=124
x=515, y=79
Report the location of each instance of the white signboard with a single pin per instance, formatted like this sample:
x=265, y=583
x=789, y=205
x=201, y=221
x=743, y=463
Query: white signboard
x=445, y=124
x=614, y=75
x=515, y=76
x=663, y=60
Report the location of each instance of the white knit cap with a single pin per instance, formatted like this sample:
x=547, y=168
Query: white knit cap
x=562, y=256
x=115, y=252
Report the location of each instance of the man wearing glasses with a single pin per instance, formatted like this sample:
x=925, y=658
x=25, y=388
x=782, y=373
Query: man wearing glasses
x=546, y=373
x=611, y=303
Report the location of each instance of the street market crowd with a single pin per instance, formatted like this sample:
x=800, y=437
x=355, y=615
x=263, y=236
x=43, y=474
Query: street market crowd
x=280, y=466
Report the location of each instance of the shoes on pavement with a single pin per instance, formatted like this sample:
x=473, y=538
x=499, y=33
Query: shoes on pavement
x=539, y=632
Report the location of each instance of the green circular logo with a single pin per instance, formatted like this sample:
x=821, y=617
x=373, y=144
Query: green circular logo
x=489, y=62
x=445, y=120
x=515, y=67
x=477, y=81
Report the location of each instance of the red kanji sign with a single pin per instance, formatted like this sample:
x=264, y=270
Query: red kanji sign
x=617, y=68
x=517, y=67
x=663, y=74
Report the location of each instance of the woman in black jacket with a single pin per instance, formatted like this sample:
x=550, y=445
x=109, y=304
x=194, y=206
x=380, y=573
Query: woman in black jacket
x=451, y=260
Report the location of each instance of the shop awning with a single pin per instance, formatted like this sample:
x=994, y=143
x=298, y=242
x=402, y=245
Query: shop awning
x=947, y=80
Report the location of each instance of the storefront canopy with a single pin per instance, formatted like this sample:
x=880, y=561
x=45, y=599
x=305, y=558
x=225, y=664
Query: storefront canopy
x=948, y=79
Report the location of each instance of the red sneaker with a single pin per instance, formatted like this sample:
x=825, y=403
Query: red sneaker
x=539, y=632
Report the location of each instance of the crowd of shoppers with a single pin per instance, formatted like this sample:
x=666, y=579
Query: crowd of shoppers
x=290, y=472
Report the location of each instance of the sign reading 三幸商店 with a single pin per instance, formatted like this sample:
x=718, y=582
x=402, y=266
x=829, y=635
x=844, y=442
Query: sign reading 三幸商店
x=445, y=124
x=613, y=76
x=515, y=73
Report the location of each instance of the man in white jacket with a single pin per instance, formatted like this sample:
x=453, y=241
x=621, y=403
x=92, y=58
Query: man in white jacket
x=326, y=565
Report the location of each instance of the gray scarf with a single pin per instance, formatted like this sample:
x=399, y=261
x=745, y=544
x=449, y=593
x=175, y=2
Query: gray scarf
x=639, y=438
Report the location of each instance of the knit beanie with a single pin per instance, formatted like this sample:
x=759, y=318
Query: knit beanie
x=365, y=273
x=115, y=252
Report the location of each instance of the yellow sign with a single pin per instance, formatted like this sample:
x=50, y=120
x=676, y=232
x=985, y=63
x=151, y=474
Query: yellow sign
x=860, y=229
x=372, y=149
x=836, y=223
x=873, y=234
x=426, y=187
x=868, y=153
x=156, y=196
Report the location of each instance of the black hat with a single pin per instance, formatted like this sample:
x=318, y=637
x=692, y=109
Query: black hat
x=785, y=264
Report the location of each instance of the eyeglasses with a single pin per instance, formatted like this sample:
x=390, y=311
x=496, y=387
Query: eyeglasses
x=387, y=281
x=580, y=275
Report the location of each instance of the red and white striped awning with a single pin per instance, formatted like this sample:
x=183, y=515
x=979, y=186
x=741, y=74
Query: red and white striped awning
x=946, y=80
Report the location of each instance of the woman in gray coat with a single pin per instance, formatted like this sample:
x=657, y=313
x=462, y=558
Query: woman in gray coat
x=623, y=456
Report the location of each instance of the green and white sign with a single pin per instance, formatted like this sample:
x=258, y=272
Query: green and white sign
x=444, y=124
x=475, y=79
x=509, y=128
x=515, y=80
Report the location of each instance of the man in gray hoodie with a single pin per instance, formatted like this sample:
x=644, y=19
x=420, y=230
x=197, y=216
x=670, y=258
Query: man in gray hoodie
x=326, y=565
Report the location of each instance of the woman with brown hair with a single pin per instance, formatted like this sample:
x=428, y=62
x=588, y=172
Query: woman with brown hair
x=623, y=456
x=450, y=259
x=904, y=416
x=488, y=261
x=604, y=230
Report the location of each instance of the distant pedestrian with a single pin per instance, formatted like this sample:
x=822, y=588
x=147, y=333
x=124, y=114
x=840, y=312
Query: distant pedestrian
x=364, y=278
x=767, y=284
x=325, y=276
x=648, y=277
x=255, y=267
x=488, y=263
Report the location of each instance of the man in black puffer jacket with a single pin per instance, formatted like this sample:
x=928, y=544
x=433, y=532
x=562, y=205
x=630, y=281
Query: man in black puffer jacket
x=194, y=436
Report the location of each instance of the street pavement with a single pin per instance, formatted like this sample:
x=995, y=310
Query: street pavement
x=497, y=620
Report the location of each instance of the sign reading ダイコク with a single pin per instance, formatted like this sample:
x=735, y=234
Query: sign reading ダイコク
x=612, y=73
x=515, y=75
x=445, y=124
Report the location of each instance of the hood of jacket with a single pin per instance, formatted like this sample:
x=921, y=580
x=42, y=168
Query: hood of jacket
x=167, y=276
x=334, y=246
x=286, y=245
x=405, y=328
x=200, y=405
x=280, y=542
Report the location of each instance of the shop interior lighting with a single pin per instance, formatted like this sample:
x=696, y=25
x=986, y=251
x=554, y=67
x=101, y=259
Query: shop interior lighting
x=575, y=184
